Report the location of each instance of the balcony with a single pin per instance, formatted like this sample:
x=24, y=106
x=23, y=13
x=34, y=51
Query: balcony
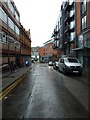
x=68, y=5
x=67, y=39
x=69, y=16
x=68, y=29
x=66, y=17
x=54, y=47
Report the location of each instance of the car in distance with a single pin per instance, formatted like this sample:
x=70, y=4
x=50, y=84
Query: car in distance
x=70, y=65
x=50, y=63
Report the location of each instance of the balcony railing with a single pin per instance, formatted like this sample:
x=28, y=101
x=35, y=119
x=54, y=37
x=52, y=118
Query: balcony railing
x=67, y=28
x=69, y=5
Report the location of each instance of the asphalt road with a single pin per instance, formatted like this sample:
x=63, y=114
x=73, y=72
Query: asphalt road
x=46, y=93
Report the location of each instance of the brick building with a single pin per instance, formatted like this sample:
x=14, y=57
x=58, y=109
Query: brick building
x=82, y=49
x=9, y=32
x=47, y=53
x=72, y=30
x=10, y=28
x=25, y=40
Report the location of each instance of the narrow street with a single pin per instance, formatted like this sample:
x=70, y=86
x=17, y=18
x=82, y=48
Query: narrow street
x=47, y=93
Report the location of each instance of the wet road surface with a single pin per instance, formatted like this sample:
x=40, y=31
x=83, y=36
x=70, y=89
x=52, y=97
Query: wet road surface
x=43, y=94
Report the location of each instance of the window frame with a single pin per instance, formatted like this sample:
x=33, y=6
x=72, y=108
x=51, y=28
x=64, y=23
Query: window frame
x=83, y=24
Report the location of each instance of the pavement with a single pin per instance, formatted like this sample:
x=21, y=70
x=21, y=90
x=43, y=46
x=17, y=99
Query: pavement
x=9, y=78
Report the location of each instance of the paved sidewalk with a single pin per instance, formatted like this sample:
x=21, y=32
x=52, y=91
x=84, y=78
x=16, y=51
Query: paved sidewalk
x=8, y=78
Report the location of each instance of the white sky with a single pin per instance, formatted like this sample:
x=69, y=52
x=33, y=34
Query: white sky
x=40, y=17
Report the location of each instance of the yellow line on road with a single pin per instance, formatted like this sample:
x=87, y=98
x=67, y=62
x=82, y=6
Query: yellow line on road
x=7, y=90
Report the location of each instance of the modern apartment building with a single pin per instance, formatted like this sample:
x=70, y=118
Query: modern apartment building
x=69, y=26
x=74, y=30
x=10, y=40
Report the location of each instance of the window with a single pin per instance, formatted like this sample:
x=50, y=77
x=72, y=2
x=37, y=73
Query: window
x=17, y=16
x=17, y=44
x=72, y=36
x=11, y=40
x=58, y=25
x=72, y=12
x=10, y=6
x=10, y=23
x=60, y=21
x=71, y=1
x=87, y=39
x=3, y=15
x=83, y=6
x=16, y=30
x=4, y=37
x=61, y=61
x=5, y=0
x=83, y=23
x=72, y=60
x=0, y=36
x=72, y=24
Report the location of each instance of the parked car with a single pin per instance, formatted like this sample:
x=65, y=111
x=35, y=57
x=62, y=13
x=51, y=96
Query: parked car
x=50, y=63
x=70, y=65
x=55, y=65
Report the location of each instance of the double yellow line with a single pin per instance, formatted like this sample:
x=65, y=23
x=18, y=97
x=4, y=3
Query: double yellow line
x=7, y=90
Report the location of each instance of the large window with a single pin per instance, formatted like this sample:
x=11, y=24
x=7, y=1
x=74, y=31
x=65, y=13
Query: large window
x=83, y=6
x=10, y=23
x=83, y=23
x=3, y=15
x=10, y=6
x=16, y=30
x=17, y=16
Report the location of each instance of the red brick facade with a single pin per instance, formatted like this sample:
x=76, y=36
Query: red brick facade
x=47, y=50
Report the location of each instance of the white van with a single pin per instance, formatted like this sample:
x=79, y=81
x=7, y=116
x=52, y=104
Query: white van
x=70, y=65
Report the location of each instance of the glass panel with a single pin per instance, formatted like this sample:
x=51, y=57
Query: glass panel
x=10, y=6
x=10, y=23
x=17, y=16
x=87, y=40
x=4, y=39
x=0, y=36
x=84, y=22
x=3, y=15
x=72, y=36
x=73, y=60
x=72, y=24
x=16, y=30
x=83, y=6
x=5, y=0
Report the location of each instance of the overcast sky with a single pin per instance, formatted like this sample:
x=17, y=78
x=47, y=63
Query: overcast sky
x=40, y=17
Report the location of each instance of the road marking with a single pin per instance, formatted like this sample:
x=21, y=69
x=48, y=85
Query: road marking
x=11, y=87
